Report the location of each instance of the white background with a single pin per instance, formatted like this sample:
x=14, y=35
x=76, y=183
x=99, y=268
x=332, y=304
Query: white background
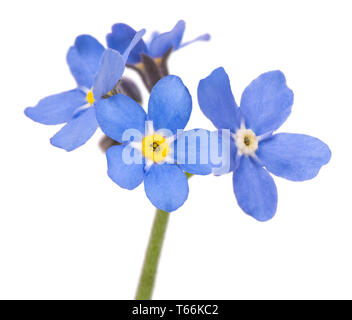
x=68, y=232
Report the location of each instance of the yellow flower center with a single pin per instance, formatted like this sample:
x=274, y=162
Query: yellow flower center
x=155, y=147
x=158, y=61
x=90, y=97
x=141, y=65
x=246, y=142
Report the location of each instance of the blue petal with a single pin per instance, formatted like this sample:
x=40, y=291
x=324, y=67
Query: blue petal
x=110, y=72
x=166, y=186
x=217, y=102
x=170, y=104
x=83, y=59
x=58, y=108
x=128, y=176
x=119, y=113
x=120, y=38
x=162, y=43
x=266, y=102
x=137, y=37
x=152, y=37
x=201, y=152
x=235, y=157
x=295, y=157
x=255, y=190
x=203, y=37
x=76, y=132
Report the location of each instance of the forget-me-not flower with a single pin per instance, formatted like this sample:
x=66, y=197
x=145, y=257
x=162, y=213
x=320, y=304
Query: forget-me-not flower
x=153, y=141
x=265, y=105
x=96, y=71
x=156, y=48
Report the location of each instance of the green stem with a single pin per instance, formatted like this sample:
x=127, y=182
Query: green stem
x=147, y=279
x=151, y=261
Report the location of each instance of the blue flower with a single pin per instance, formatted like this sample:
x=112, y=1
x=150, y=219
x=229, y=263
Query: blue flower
x=159, y=44
x=150, y=143
x=265, y=105
x=96, y=72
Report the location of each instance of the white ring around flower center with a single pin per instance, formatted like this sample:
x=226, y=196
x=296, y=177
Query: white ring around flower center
x=246, y=142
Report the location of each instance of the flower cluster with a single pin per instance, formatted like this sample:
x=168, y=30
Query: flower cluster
x=152, y=147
